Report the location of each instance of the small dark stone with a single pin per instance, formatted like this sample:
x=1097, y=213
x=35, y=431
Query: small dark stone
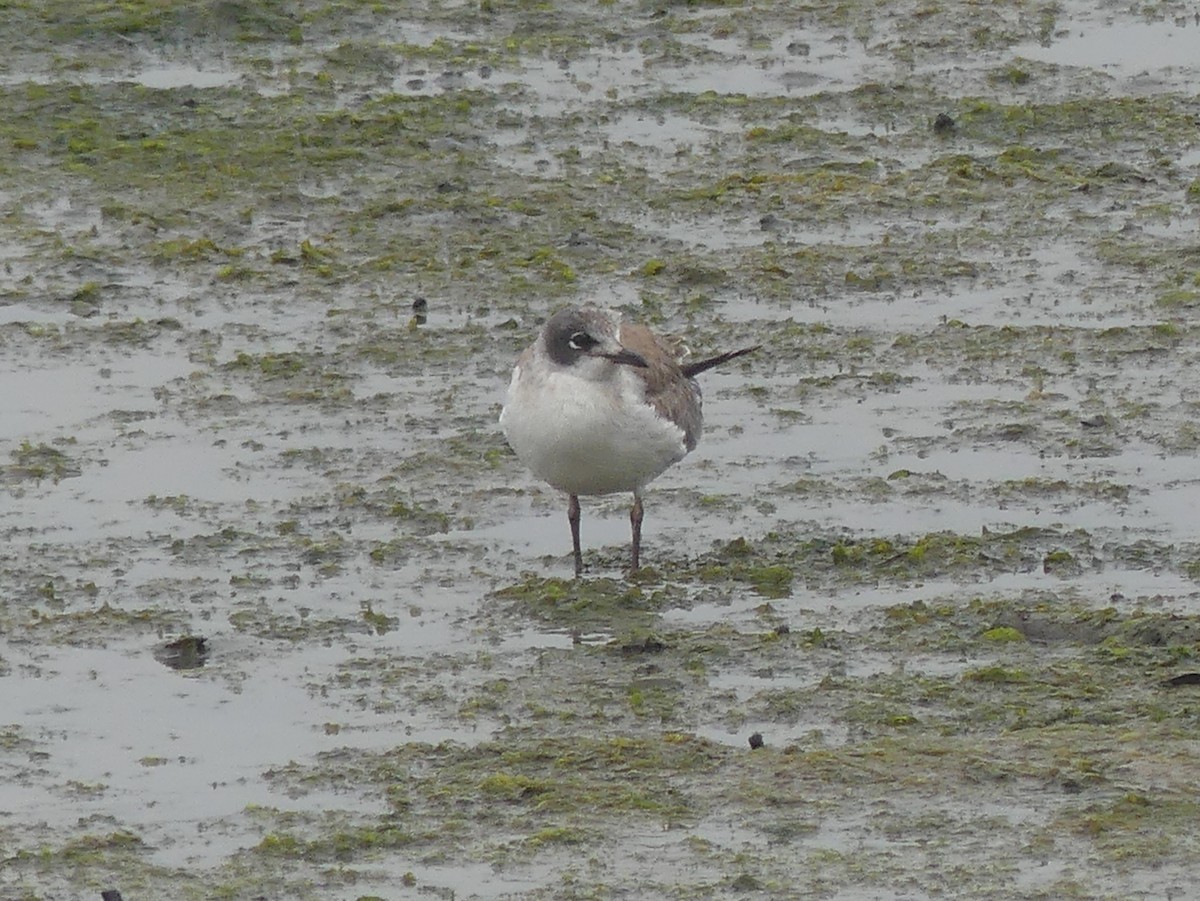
x=746, y=883
x=110, y=895
x=188, y=652
x=783, y=629
x=1183, y=679
x=1094, y=422
x=943, y=124
x=756, y=741
x=420, y=305
x=648, y=645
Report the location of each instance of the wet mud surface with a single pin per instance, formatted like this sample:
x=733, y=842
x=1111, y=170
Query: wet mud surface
x=282, y=617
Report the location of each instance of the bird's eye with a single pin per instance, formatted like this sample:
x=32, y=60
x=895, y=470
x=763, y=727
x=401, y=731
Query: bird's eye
x=582, y=341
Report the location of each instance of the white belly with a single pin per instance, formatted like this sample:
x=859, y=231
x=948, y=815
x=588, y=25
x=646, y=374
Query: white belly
x=588, y=437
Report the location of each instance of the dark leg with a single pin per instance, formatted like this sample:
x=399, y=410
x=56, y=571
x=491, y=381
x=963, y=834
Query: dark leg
x=573, y=519
x=635, y=519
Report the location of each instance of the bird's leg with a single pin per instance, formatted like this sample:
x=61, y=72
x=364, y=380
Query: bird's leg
x=635, y=520
x=573, y=519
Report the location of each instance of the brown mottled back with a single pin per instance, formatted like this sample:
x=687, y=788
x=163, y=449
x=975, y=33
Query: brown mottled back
x=672, y=393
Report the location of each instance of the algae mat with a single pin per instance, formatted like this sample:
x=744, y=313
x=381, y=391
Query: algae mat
x=281, y=615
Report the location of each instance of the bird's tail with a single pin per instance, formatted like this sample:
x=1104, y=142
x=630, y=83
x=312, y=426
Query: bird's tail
x=694, y=369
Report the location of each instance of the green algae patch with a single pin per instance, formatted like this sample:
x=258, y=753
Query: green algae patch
x=1002, y=634
x=771, y=565
x=996, y=675
x=1134, y=826
x=97, y=625
x=307, y=241
x=585, y=602
x=771, y=580
x=92, y=857
x=517, y=796
x=38, y=462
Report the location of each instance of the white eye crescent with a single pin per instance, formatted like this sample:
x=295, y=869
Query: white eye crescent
x=581, y=341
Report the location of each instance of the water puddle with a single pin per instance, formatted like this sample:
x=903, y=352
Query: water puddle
x=148, y=72
x=1123, y=46
x=261, y=445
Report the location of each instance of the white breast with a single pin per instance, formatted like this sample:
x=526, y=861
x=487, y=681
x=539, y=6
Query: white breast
x=587, y=436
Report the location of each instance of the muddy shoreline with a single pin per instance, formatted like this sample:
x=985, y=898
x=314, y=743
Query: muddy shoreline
x=936, y=546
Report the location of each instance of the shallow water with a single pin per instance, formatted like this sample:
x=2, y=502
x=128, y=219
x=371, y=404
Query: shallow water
x=221, y=417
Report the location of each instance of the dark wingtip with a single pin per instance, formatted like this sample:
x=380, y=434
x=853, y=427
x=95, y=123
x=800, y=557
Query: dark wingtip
x=694, y=369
